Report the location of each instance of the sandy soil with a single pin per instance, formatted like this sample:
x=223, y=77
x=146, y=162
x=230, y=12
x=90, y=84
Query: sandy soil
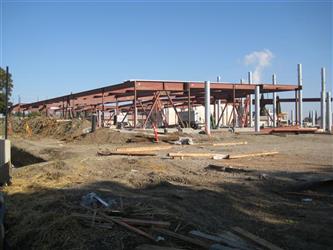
x=52, y=175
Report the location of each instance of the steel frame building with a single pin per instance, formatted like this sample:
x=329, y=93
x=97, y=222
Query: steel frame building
x=143, y=97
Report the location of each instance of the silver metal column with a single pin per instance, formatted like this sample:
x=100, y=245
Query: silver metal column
x=329, y=112
x=207, y=107
x=250, y=106
x=292, y=118
x=322, y=101
x=300, y=95
x=218, y=105
x=257, y=109
x=274, y=102
x=313, y=119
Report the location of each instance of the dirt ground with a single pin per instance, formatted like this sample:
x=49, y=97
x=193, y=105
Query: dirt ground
x=267, y=199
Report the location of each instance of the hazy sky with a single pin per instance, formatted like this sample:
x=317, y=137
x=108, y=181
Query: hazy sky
x=57, y=47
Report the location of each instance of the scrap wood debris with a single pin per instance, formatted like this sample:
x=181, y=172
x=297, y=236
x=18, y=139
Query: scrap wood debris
x=142, y=221
x=252, y=155
x=141, y=149
x=217, y=156
x=108, y=153
x=226, y=144
x=200, y=155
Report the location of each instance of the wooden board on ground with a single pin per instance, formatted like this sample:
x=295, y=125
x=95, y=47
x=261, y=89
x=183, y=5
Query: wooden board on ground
x=227, y=144
x=256, y=239
x=142, y=149
x=226, y=238
x=251, y=155
x=199, y=155
x=183, y=237
x=153, y=247
x=125, y=153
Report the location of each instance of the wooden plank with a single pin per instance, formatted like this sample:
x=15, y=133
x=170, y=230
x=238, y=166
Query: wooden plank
x=145, y=222
x=256, y=239
x=125, y=153
x=130, y=221
x=227, y=144
x=183, y=237
x=153, y=247
x=251, y=155
x=200, y=155
x=143, y=149
x=131, y=228
x=224, y=239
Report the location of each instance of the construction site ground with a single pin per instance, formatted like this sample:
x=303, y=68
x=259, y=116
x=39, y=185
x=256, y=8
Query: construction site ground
x=272, y=198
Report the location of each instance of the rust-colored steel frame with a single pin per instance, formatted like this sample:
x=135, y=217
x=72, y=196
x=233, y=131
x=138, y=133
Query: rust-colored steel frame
x=136, y=97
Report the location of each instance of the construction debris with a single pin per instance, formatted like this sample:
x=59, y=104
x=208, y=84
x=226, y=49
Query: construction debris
x=91, y=198
x=183, y=141
x=200, y=155
x=108, y=153
x=227, y=144
x=217, y=156
x=183, y=237
x=142, y=149
x=153, y=247
x=251, y=155
x=255, y=239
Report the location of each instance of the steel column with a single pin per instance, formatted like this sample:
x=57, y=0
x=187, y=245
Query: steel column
x=328, y=112
x=189, y=105
x=322, y=104
x=292, y=118
x=274, y=102
x=135, y=107
x=257, y=109
x=250, y=98
x=300, y=94
x=6, y=103
x=207, y=107
x=296, y=107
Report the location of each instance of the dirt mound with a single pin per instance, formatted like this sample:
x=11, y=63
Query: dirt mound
x=44, y=126
x=103, y=136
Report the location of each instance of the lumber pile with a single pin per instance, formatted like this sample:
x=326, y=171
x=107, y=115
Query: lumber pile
x=158, y=233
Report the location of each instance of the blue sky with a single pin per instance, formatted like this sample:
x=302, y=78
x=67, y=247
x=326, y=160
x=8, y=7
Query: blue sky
x=54, y=48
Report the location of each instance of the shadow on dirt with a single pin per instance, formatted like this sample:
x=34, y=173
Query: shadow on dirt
x=43, y=218
x=21, y=158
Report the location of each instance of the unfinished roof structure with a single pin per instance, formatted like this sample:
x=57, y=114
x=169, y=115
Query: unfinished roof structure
x=143, y=97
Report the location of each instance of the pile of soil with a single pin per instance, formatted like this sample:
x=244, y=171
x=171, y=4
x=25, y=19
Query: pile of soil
x=44, y=126
x=104, y=136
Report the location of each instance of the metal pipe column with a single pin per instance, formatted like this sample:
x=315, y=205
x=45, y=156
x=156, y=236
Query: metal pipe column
x=313, y=118
x=257, y=109
x=250, y=105
x=6, y=102
x=218, y=106
x=300, y=95
x=329, y=112
x=274, y=102
x=292, y=117
x=322, y=103
x=207, y=107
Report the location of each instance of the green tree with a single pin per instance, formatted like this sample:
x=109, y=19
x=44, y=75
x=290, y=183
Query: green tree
x=3, y=88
